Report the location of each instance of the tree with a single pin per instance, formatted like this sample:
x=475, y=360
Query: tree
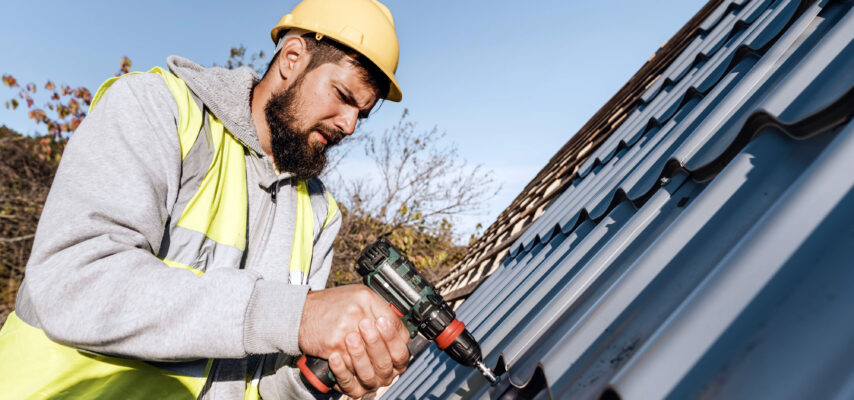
x=25, y=176
x=237, y=58
x=418, y=188
x=66, y=106
x=62, y=111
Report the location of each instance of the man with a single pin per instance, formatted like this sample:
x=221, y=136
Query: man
x=185, y=241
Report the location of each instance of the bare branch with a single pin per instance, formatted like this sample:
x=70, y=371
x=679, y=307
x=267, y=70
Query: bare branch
x=17, y=239
x=420, y=185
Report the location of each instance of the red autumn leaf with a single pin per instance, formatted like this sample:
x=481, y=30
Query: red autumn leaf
x=38, y=115
x=10, y=81
x=73, y=106
x=29, y=102
x=124, y=66
x=55, y=96
x=83, y=94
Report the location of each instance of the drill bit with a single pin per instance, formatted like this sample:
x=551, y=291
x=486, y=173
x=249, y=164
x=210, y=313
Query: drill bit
x=487, y=373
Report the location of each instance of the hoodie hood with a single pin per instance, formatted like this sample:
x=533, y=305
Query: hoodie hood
x=226, y=92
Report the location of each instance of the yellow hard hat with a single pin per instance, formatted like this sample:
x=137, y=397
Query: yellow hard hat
x=365, y=26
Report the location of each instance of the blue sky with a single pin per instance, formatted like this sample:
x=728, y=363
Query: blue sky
x=510, y=82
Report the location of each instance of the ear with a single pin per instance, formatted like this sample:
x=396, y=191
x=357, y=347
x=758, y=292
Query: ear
x=293, y=57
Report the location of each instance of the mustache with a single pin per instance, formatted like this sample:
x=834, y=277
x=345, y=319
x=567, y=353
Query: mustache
x=333, y=135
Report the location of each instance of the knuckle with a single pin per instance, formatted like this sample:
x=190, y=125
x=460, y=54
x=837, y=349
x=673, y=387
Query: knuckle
x=387, y=333
x=401, y=363
x=385, y=367
x=371, y=338
x=368, y=378
x=357, y=352
x=401, y=356
x=363, y=291
x=366, y=387
x=353, y=309
x=345, y=381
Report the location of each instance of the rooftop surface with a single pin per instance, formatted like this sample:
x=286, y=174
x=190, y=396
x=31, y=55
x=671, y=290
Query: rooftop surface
x=703, y=248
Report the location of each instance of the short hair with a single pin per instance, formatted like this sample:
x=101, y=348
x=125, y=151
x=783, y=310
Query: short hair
x=325, y=50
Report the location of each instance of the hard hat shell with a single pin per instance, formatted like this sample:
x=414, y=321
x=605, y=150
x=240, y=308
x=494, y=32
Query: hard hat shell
x=365, y=26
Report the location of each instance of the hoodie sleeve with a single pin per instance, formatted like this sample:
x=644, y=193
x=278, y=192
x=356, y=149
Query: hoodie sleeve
x=93, y=281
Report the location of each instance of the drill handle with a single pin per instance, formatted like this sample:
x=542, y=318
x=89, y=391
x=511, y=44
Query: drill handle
x=315, y=372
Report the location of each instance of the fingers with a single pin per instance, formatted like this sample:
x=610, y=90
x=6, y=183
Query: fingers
x=395, y=343
x=398, y=327
x=375, y=357
x=347, y=382
x=364, y=369
x=359, y=328
x=378, y=352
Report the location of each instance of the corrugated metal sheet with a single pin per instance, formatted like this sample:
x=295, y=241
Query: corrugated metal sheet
x=488, y=252
x=706, y=248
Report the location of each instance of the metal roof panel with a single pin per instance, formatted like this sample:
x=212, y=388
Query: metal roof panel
x=702, y=255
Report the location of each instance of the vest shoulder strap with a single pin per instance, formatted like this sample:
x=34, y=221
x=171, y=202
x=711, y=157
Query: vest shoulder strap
x=189, y=112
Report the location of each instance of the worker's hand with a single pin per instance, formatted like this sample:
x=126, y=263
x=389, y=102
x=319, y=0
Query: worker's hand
x=356, y=331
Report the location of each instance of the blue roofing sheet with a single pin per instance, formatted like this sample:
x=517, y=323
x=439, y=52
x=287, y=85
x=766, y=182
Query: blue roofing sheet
x=705, y=249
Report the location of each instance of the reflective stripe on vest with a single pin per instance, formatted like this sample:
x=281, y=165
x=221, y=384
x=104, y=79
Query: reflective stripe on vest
x=207, y=230
x=34, y=367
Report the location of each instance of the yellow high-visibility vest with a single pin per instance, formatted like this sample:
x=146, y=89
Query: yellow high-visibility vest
x=207, y=229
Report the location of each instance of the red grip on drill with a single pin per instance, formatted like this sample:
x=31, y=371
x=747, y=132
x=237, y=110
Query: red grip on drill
x=311, y=377
x=454, y=329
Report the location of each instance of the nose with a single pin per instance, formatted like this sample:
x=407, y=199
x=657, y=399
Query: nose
x=346, y=120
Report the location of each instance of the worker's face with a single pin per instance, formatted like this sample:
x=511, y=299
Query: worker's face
x=314, y=113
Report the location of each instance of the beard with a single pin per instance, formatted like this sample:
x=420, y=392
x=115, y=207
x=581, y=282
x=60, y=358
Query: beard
x=292, y=151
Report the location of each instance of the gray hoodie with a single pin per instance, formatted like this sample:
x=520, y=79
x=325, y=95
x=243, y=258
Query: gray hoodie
x=93, y=280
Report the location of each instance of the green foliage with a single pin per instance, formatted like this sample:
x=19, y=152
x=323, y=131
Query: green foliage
x=432, y=249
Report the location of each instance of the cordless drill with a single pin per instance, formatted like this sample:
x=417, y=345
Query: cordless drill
x=391, y=275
